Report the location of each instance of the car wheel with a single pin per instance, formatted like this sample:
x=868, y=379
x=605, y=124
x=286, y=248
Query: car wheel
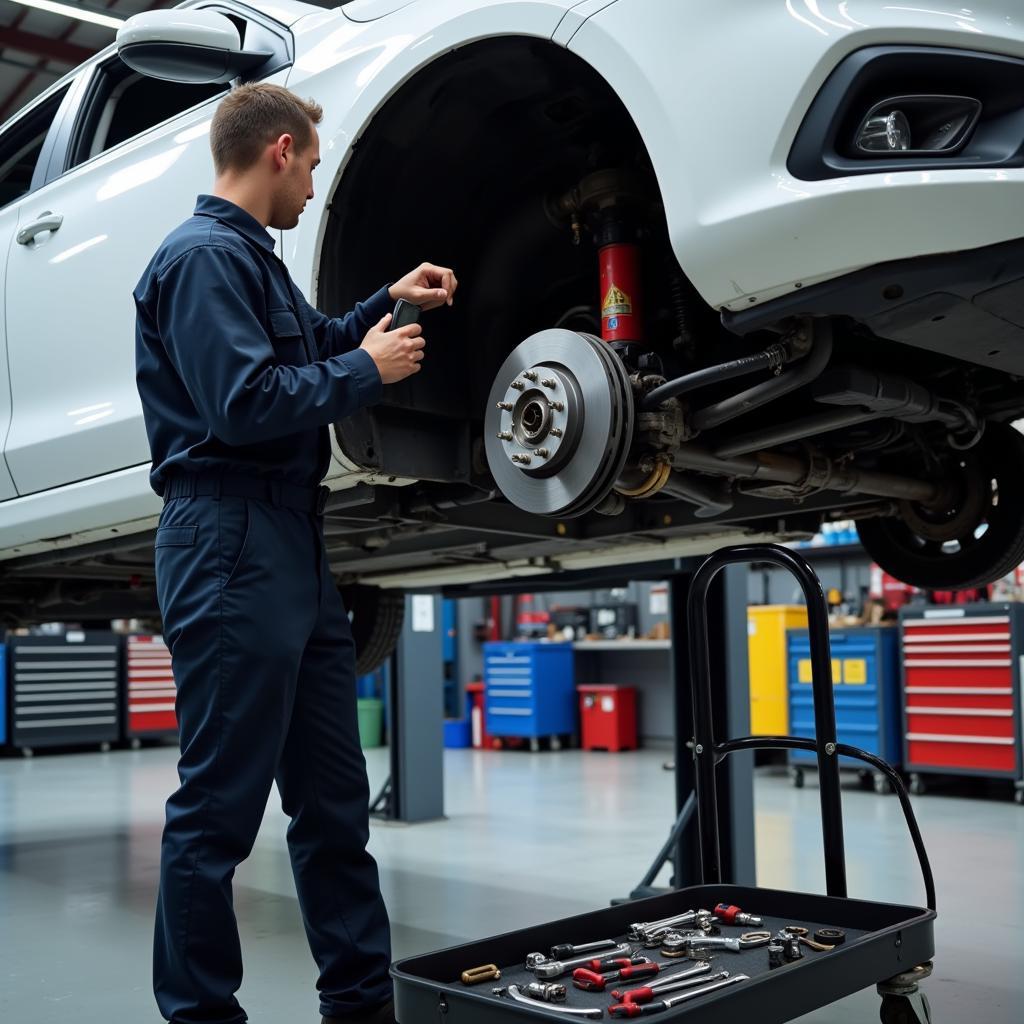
x=977, y=538
x=376, y=617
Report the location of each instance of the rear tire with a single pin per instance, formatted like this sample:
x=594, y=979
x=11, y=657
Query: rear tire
x=938, y=551
x=376, y=616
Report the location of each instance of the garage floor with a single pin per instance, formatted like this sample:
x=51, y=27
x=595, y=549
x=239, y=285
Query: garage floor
x=79, y=838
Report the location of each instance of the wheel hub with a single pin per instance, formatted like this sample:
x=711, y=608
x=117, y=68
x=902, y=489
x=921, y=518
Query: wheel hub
x=559, y=423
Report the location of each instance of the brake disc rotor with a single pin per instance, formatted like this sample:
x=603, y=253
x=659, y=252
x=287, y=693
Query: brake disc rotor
x=559, y=423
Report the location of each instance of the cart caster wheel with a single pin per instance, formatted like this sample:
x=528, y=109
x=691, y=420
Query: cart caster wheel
x=905, y=1009
x=104, y=748
x=917, y=785
x=797, y=776
x=136, y=743
x=534, y=744
x=1019, y=796
x=882, y=785
x=27, y=752
x=556, y=742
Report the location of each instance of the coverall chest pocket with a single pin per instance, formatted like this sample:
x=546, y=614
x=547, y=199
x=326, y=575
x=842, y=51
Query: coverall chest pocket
x=287, y=333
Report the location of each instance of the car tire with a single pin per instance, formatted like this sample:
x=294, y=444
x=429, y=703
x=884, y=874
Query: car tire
x=899, y=548
x=376, y=617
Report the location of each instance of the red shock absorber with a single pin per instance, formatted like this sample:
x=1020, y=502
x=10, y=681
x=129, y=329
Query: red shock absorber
x=621, y=299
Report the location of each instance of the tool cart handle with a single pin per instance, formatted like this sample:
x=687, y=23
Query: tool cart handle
x=707, y=754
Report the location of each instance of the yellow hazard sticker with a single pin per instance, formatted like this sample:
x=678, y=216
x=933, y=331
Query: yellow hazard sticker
x=855, y=671
x=805, y=674
x=616, y=302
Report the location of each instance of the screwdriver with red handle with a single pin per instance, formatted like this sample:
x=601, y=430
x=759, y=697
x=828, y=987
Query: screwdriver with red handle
x=699, y=974
x=592, y=981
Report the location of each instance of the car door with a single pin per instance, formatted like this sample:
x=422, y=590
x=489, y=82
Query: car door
x=25, y=145
x=134, y=160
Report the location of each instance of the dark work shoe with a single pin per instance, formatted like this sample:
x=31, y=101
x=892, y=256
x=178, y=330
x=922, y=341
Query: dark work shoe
x=382, y=1015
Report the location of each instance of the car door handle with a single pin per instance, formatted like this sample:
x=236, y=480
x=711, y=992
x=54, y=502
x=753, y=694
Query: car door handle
x=46, y=222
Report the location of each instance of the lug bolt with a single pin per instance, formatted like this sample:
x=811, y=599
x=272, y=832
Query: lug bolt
x=555, y=431
x=522, y=459
x=548, y=382
x=518, y=385
x=543, y=453
x=507, y=406
x=504, y=435
x=530, y=375
x=558, y=406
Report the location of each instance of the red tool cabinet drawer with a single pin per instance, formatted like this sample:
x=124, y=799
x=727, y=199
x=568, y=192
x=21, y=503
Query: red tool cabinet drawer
x=151, y=689
x=972, y=753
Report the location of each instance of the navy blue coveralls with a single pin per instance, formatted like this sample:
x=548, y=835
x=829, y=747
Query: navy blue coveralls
x=239, y=377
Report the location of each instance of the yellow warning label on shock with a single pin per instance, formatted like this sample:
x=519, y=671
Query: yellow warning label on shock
x=804, y=673
x=616, y=302
x=855, y=671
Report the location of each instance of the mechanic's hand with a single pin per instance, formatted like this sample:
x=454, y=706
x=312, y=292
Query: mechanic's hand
x=427, y=286
x=397, y=354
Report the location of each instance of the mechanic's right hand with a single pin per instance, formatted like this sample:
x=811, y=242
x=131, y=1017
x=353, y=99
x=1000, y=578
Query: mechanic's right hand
x=397, y=354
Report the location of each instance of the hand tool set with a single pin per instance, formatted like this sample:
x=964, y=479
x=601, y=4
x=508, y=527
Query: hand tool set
x=762, y=954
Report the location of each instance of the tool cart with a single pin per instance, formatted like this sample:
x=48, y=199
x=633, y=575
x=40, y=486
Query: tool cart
x=856, y=943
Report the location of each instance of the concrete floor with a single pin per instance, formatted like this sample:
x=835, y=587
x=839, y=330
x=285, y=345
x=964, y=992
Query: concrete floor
x=79, y=837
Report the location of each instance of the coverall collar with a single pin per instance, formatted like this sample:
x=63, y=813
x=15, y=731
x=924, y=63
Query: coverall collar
x=234, y=216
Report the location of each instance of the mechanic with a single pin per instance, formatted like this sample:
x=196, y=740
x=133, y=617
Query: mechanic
x=239, y=379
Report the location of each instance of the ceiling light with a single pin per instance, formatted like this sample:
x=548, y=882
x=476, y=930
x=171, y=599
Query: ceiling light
x=73, y=11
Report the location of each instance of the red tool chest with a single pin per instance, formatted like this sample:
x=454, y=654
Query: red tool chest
x=961, y=690
x=150, y=689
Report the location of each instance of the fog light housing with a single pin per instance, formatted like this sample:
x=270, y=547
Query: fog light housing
x=905, y=126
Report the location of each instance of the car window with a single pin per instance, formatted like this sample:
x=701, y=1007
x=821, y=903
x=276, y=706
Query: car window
x=22, y=143
x=122, y=104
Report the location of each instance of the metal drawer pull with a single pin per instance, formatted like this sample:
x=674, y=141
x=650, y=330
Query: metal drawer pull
x=952, y=638
x=962, y=712
x=979, y=691
x=510, y=693
x=960, y=649
x=994, y=741
x=946, y=620
x=510, y=711
x=957, y=663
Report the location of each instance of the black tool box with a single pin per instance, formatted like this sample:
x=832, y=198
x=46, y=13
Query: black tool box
x=885, y=945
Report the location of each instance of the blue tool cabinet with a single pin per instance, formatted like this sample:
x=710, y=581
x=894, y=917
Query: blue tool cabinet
x=529, y=690
x=3, y=695
x=865, y=675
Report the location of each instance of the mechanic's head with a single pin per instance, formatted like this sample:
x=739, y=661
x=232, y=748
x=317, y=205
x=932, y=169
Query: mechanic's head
x=265, y=146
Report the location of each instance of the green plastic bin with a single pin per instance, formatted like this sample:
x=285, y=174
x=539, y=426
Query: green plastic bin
x=371, y=722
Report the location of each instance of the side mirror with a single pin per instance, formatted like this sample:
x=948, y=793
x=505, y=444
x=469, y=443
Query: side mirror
x=188, y=46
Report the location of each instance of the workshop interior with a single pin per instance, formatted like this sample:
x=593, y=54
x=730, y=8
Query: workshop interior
x=685, y=582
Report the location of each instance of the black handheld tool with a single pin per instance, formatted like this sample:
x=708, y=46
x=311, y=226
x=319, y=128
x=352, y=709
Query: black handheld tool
x=405, y=313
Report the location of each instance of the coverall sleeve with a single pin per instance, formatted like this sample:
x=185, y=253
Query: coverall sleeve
x=335, y=335
x=208, y=314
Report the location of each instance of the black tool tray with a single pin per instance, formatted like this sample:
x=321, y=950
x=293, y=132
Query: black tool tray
x=882, y=940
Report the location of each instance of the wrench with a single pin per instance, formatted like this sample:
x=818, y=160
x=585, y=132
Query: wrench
x=640, y=930
x=516, y=993
x=556, y=968
x=675, y=944
x=636, y=1010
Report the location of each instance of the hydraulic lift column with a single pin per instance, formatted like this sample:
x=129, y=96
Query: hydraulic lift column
x=416, y=700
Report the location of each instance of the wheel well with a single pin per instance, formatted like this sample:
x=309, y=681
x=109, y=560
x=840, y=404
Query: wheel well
x=461, y=167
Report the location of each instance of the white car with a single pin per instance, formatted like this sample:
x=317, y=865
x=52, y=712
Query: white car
x=727, y=268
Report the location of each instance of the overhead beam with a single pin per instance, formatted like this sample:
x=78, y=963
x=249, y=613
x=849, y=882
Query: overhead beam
x=40, y=46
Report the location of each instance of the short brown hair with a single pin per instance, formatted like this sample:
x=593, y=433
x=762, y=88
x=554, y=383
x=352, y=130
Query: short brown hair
x=251, y=117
